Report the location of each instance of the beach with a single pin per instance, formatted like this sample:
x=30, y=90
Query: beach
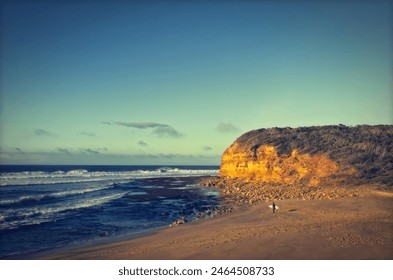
x=44, y=208
x=351, y=227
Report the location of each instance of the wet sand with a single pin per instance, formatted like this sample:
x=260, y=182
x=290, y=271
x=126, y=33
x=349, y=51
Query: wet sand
x=358, y=227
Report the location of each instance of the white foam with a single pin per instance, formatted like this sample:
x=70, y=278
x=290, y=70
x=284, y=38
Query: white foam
x=136, y=193
x=52, y=195
x=38, y=215
x=77, y=172
x=22, y=199
x=82, y=175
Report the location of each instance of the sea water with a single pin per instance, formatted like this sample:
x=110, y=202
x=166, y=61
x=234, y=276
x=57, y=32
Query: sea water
x=48, y=207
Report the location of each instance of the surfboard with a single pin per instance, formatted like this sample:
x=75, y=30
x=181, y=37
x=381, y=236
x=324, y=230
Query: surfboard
x=271, y=206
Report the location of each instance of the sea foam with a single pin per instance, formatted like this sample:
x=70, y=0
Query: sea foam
x=82, y=175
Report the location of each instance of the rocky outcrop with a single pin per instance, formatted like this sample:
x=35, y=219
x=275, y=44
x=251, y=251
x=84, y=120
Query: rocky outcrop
x=312, y=156
x=237, y=192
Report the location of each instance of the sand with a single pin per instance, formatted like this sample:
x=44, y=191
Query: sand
x=358, y=227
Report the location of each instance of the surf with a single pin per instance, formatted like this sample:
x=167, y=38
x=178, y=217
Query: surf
x=83, y=175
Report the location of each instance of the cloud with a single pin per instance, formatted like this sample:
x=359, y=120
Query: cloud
x=161, y=130
x=142, y=143
x=43, y=132
x=63, y=151
x=167, y=131
x=94, y=156
x=163, y=156
x=143, y=125
x=227, y=128
x=139, y=125
x=176, y=158
x=207, y=148
x=90, y=151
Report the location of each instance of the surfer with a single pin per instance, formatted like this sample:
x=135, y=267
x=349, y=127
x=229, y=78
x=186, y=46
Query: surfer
x=274, y=207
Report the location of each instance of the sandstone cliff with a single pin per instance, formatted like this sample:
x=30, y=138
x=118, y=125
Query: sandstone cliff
x=312, y=155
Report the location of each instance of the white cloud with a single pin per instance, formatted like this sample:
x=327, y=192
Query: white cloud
x=167, y=131
x=159, y=129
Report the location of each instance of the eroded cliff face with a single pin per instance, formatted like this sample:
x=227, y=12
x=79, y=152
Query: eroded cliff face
x=307, y=156
x=264, y=164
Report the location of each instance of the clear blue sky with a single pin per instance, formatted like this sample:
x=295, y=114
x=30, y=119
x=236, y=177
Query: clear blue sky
x=176, y=82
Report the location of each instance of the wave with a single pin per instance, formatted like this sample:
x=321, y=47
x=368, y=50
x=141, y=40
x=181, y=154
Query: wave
x=82, y=175
x=39, y=215
x=35, y=198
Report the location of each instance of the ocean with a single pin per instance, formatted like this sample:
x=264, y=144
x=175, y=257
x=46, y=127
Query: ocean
x=43, y=208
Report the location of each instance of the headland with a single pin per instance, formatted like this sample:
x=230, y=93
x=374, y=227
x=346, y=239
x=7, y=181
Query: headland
x=333, y=186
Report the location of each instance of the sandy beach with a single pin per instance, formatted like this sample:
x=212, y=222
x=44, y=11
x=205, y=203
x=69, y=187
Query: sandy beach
x=359, y=227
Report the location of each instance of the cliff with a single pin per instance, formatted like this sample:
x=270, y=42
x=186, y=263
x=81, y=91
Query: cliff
x=312, y=155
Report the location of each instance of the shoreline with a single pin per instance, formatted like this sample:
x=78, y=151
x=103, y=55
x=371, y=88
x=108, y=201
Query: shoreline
x=349, y=227
x=182, y=187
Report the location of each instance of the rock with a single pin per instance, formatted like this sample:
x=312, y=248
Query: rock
x=180, y=221
x=311, y=156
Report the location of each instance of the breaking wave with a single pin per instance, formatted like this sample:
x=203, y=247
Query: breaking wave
x=39, y=197
x=38, y=215
x=82, y=175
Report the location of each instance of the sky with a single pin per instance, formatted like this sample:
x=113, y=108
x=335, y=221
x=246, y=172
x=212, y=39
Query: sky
x=176, y=82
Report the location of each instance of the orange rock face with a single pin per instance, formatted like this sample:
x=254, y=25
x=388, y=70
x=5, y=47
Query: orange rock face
x=264, y=164
x=319, y=155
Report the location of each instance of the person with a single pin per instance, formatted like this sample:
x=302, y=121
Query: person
x=274, y=208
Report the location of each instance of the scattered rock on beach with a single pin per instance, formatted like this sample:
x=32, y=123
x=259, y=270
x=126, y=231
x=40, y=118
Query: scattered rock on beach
x=240, y=192
x=213, y=212
x=180, y=221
